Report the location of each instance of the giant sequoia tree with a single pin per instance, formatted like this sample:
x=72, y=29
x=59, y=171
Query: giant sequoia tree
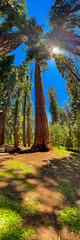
x=38, y=50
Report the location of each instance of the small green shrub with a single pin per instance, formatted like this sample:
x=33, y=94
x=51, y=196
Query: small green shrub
x=67, y=190
x=38, y=200
x=36, y=209
x=68, y=167
x=71, y=216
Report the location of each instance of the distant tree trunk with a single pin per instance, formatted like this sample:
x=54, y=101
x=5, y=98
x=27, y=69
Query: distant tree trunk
x=3, y=118
x=24, y=121
x=29, y=125
x=1, y=128
x=42, y=141
x=16, y=142
x=74, y=74
x=29, y=115
x=10, y=41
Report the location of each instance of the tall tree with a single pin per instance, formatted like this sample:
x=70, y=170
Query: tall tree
x=77, y=129
x=16, y=141
x=24, y=119
x=53, y=105
x=42, y=140
x=70, y=72
x=29, y=112
x=62, y=116
x=7, y=82
x=38, y=51
x=21, y=76
x=70, y=124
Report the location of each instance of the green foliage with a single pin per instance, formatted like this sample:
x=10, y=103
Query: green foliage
x=12, y=80
x=37, y=48
x=36, y=209
x=61, y=150
x=53, y=105
x=71, y=216
x=62, y=116
x=58, y=134
x=7, y=78
x=10, y=220
x=13, y=14
x=67, y=190
x=69, y=142
x=9, y=226
x=64, y=23
x=70, y=71
x=77, y=129
x=38, y=200
x=21, y=167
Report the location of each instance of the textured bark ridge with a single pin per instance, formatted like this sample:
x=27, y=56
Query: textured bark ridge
x=10, y=41
x=16, y=140
x=1, y=128
x=24, y=121
x=42, y=141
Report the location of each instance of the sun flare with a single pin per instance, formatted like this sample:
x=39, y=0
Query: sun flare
x=56, y=50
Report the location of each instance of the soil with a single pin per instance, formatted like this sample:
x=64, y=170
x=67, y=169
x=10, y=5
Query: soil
x=49, y=169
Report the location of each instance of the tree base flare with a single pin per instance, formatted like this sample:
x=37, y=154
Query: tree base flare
x=41, y=148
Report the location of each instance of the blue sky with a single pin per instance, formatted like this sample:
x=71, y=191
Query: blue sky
x=51, y=77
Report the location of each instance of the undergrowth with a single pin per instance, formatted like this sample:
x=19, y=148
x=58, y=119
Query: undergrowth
x=67, y=190
x=11, y=216
x=61, y=150
x=71, y=216
x=21, y=167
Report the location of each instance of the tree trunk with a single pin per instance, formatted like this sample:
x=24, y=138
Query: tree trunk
x=1, y=128
x=24, y=121
x=29, y=115
x=15, y=122
x=29, y=125
x=72, y=72
x=42, y=141
x=10, y=41
x=3, y=118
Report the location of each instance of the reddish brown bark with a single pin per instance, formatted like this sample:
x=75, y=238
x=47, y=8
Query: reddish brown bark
x=1, y=128
x=29, y=115
x=24, y=121
x=42, y=140
x=3, y=117
x=29, y=125
x=16, y=142
x=10, y=41
x=72, y=72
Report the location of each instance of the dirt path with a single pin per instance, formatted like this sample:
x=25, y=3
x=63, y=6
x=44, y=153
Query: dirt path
x=41, y=188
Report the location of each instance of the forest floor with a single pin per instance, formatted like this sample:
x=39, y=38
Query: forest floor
x=39, y=195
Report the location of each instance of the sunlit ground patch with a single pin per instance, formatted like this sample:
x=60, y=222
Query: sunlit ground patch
x=21, y=167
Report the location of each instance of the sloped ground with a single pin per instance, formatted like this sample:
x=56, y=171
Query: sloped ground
x=38, y=186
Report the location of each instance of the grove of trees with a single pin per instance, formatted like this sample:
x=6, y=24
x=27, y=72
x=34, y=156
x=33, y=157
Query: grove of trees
x=16, y=114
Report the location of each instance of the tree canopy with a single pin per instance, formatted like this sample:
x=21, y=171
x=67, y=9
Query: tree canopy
x=64, y=23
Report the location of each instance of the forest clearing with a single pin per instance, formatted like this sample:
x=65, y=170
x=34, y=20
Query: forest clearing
x=40, y=195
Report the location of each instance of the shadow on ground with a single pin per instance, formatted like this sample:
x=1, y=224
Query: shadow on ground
x=54, y=176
